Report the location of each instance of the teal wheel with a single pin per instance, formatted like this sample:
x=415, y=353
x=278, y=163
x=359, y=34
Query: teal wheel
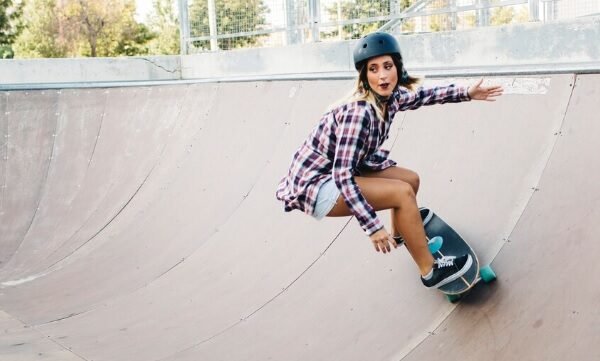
x=487, y=274
x=435, y=244
x=453, y=298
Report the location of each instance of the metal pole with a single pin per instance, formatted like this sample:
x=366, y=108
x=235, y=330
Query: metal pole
x=212, y=23
x=453, y=15
x=339, y=19
x=314, y=18
x=551, y=10
x=483, y=14
x=291, y=19
x=288, y=22
x=534, y=10
x=547, y=10
x=394, y=10
x=184, y=27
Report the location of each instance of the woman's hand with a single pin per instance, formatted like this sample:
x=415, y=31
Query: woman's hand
x=478, y=92
x=383, y=241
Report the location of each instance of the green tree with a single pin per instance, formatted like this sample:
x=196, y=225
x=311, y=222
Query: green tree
x=407, y=25
x=44, y=33
x=440, y=22
x=67, y=28
x=165, y=24
x=509, y=15
x=233, y=16
x=502, y=15
x=133, y=40
x=360, y=9
x=10, y=26
x=106, y=27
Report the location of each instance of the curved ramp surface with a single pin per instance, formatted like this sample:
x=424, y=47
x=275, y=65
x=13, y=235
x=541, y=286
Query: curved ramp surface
x=141, y=224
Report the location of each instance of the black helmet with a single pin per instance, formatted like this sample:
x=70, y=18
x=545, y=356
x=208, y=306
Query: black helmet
x=374, y=44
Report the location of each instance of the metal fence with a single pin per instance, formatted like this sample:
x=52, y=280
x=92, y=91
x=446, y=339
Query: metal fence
x=212, y=25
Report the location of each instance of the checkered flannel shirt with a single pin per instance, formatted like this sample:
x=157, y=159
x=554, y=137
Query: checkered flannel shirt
x=346, y=141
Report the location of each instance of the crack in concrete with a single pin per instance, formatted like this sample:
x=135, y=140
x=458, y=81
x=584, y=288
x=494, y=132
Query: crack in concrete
x=174, y=71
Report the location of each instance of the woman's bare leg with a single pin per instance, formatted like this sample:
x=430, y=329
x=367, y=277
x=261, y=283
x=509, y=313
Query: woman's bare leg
x=398, y=173
x=382, y=193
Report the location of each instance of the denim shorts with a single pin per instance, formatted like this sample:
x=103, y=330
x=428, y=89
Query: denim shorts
x=326, y=199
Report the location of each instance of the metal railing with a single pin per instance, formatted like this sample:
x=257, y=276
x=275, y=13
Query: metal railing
x=213, y=25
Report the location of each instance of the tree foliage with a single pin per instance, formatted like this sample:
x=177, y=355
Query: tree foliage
x=233, y=16
x=67, y=28
x=165, y=24
x=106, y=27
x=440, y=22
x=363, y=9
x=10, y=25
x=509, y=15
x=43, y=35
x=360, y=9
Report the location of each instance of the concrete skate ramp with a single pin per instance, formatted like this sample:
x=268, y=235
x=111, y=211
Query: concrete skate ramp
x=140, y=224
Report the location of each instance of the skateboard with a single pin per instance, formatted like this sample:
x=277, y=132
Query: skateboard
x=444, y=240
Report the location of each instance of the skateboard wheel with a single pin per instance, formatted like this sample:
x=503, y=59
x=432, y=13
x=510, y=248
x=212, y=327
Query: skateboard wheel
x=453, y=298
x=487, y=274
x=435, y=244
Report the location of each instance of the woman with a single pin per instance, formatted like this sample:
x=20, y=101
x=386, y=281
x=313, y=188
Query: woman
x=340, y=170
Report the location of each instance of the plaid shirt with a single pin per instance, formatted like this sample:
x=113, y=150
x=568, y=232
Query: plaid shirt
x=347, y=140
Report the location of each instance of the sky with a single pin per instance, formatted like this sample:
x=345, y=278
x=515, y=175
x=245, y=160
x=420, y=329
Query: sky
x=143, y=8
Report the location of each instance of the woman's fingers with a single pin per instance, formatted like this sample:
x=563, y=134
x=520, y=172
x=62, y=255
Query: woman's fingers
x=478, y=92
x=493, y=94
x=392, y=241
x=384, y=244
x=376, y=245
x=488, y=93
x=494, y=90
x=381, y=246
x=383, y=241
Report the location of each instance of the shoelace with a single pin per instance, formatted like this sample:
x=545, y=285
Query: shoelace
x=446, y=261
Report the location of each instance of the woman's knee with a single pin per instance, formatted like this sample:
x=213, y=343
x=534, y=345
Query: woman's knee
x=404, y=191
x=398, y=173
x=414, y=180
x=410, y=177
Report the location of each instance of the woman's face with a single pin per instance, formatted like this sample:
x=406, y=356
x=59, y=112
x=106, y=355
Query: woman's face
x=382, y=75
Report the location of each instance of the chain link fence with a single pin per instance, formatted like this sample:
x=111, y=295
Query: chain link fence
x=213, y=25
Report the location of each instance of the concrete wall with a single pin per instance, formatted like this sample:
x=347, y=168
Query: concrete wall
x=75, y=70
x=571, y=46
x=552, y=47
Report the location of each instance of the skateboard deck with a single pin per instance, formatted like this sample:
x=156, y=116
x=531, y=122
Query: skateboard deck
x=445, y=241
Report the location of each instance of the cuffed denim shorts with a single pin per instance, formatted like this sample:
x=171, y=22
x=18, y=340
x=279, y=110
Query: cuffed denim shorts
x=326, y=199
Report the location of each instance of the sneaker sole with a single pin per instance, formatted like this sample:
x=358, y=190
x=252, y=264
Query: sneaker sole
x=457, y=275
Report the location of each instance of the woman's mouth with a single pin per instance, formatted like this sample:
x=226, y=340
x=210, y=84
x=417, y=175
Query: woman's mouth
x=384, y=86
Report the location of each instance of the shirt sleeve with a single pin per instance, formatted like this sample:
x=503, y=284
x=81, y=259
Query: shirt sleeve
x=352, y=133
x=406, y=100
